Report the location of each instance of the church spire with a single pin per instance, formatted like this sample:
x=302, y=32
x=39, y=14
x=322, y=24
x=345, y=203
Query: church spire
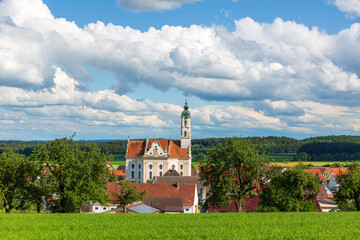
x=185, y=126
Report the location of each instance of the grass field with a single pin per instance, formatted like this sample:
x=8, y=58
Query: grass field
x=184, y=226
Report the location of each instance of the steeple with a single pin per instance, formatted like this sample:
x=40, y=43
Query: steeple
x=186, y=127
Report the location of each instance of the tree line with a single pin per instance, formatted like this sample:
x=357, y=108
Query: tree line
x=270, y=144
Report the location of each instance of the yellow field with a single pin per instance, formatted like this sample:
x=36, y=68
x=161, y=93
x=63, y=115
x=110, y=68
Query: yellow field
x=310, y=164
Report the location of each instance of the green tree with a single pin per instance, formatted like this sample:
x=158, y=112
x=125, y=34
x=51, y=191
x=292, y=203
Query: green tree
x=232, y=171
x=348, y=195
x=301, y=157
x=200, y=157
x=289, y=191
x=15, y=179
x=128, y=194
x=72, y=176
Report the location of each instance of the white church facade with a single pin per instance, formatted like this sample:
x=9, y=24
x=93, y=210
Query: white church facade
x=147, y=159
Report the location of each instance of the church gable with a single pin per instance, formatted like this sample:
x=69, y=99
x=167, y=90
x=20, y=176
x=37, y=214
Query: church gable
x=155, y=149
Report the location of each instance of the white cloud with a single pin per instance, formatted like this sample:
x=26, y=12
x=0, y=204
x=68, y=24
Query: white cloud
x=352, y=7
x=152, y=5
x=282, y=69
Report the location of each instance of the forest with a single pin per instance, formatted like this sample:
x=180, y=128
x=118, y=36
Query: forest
x=324, y=148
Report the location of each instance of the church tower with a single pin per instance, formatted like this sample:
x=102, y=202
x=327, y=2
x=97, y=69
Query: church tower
x=186, y=127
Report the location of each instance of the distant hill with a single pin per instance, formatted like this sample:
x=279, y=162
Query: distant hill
x=269, y=144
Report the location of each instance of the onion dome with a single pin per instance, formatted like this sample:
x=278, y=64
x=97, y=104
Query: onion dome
x=186, y=112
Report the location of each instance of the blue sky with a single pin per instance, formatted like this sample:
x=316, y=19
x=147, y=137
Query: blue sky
x=113, y=69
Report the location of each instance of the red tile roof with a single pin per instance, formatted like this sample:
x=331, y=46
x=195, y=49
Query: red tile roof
x=118, y=172
x=338, y=171
x=164, y=144
x=317, y=172
x=177, y=152
x=137, y=148
x=185, y=191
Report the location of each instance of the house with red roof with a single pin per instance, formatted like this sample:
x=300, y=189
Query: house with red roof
x=316, y=172
x=149, y=158
x=119, y=173
x=186, y=192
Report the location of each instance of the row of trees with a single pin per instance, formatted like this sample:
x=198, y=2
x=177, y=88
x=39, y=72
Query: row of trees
x=269, y=144
x=60, y=175
x=235, y=168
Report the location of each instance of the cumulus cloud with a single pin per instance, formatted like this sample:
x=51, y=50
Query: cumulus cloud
x=152, y=5
x=272, y=67
x=258, y=61
x=352, y=7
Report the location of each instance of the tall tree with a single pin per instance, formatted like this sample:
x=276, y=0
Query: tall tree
x=72, y=175
x=289, y=191
x=14, y=177
x=232, y=171
x=348, y=195
x=127, y=194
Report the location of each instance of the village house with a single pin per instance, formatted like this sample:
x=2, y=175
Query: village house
x=187, y=193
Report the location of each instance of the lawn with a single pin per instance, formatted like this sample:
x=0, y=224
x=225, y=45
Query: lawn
x=184, y=226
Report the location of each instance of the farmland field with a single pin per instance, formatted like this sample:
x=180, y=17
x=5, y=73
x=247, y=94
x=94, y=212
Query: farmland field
x=185, y=226
x=307, y=164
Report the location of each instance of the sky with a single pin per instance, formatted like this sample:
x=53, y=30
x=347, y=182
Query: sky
x=116, y=69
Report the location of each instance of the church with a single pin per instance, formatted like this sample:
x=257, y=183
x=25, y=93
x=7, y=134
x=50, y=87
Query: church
x=147, y=159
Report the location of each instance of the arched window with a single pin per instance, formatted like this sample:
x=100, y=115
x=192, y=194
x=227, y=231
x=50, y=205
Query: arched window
x=132, y=166
x=150, y=175
x=185, y=133
x=132, y=174
x=181, y=166
x=139, y=173
x=139, y=166
x=150, y=166
x=160, y=174
x=160, y=166
x=181, y=173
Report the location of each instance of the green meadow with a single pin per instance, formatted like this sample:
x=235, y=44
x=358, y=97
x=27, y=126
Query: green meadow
x=342, y=225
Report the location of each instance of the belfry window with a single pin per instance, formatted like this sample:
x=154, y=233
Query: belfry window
x=185, y=133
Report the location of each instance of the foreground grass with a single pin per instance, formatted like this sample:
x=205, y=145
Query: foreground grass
x=184, y=226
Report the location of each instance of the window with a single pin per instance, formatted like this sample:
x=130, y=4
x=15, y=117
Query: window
x=181, y=173
x=150, y=175
x=139, y=174
x=104, y=208
x=132, y=174
x=132, y=166
x=185, y=133
x=181, y=166
x=150, y=166
x=139, y=166
x=160, y=167
x=187, y=209
x=96, y=208
x=160, y=174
